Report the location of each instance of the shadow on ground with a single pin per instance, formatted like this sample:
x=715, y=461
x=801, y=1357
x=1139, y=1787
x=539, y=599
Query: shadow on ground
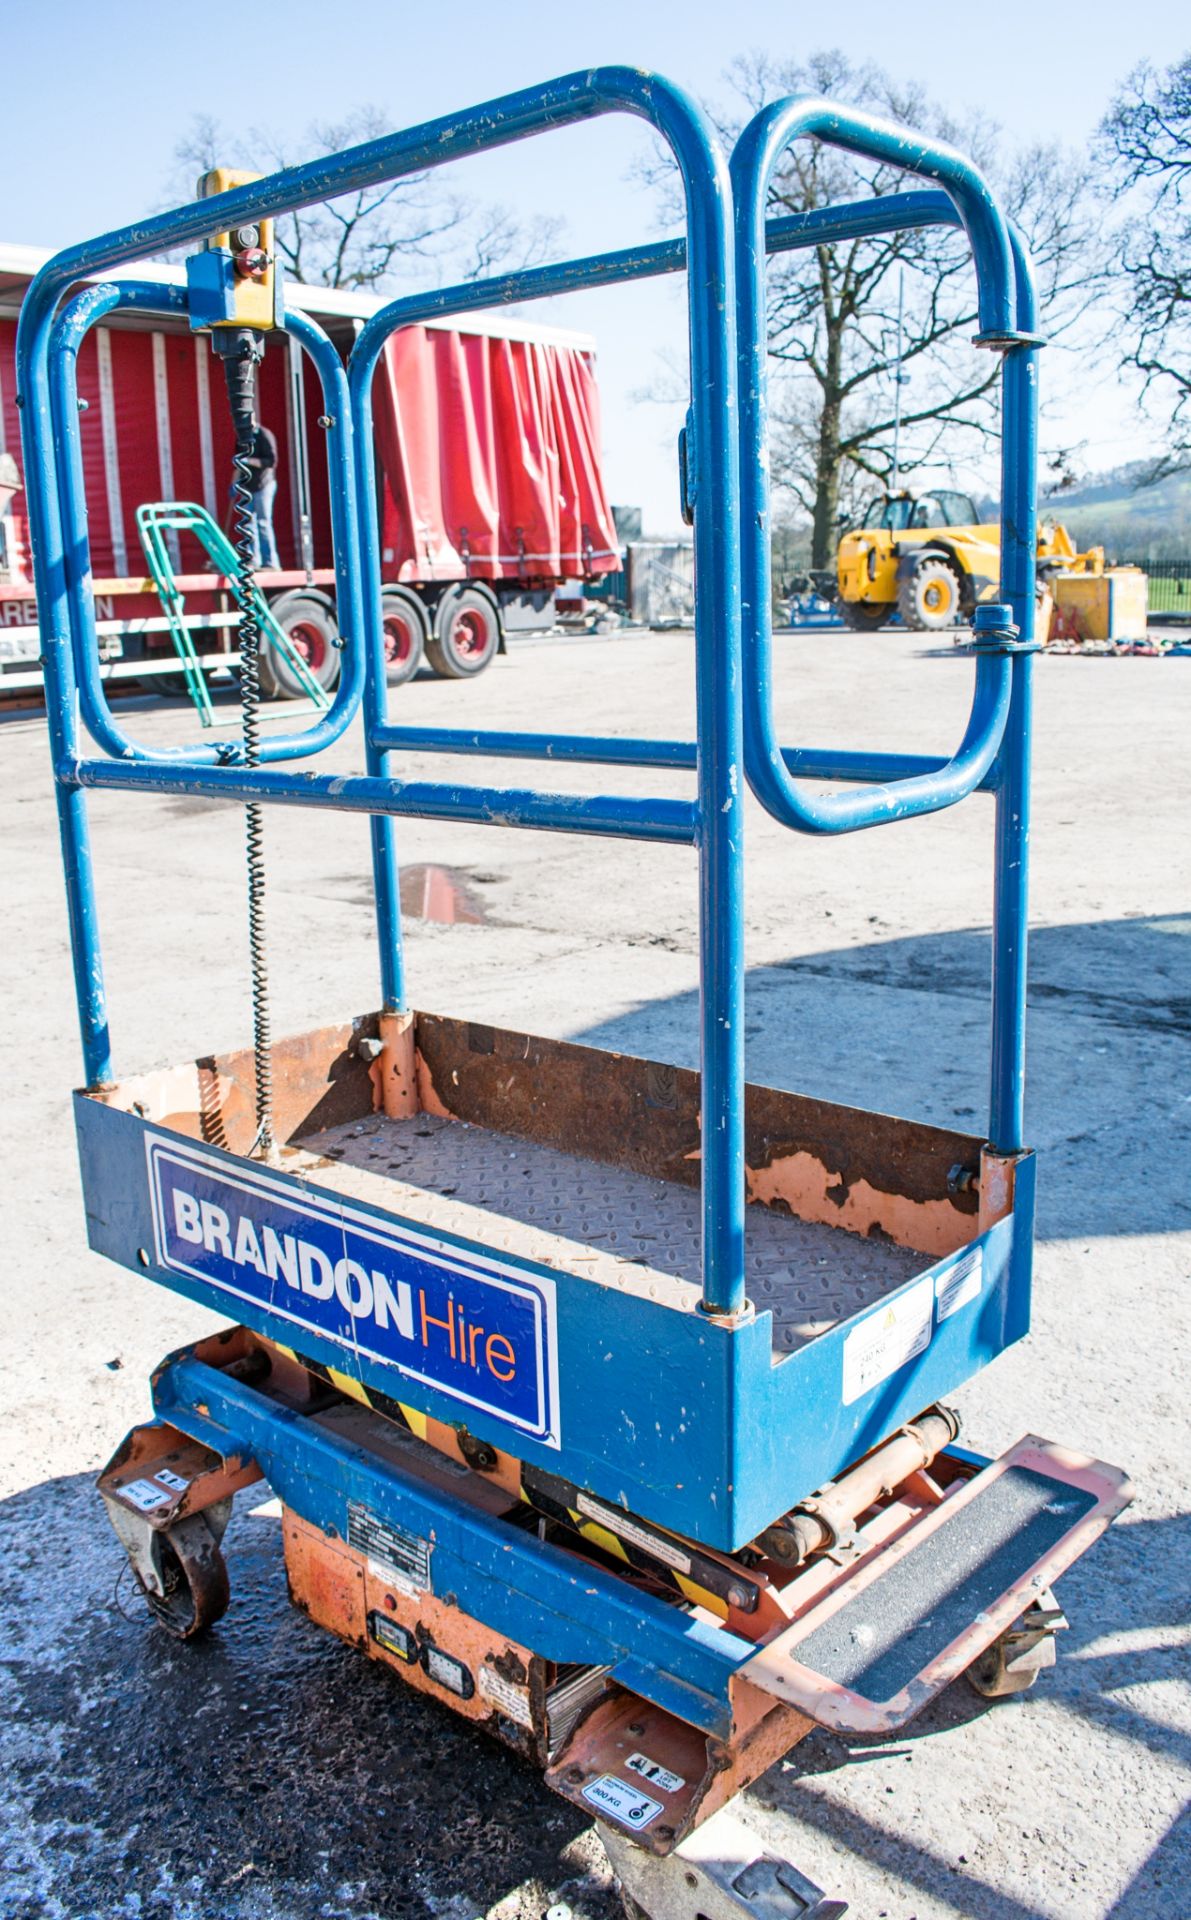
x=901, y=1026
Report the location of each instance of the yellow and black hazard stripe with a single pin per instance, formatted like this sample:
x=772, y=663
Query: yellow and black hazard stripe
x=452, y=1440
x=687, y=1570
x=684, y=1568
x=353, y=1389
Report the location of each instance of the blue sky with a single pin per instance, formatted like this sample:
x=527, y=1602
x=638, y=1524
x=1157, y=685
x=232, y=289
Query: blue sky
x=97, y=95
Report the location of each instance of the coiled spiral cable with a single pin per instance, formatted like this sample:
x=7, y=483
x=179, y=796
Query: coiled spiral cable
x=240, y=349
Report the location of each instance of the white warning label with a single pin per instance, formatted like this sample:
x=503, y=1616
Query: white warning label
x=884, y=1340
x=959, y=1283
x=511, y=1700
x=614, y=1797
x=143, y=1495
x=667, y=1551
x=657, y=1775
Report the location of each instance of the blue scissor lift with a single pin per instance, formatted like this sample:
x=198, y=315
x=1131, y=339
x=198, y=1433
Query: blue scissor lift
x=613, y=1417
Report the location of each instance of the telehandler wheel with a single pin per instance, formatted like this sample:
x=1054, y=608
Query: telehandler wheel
x=865, y=616
x=929, y=598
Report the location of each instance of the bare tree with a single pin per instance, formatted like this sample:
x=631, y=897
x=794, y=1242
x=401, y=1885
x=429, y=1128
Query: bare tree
x=497, y=242
x=372, y=238
x=1145, y=139
x=833, y=310
x=849, y=321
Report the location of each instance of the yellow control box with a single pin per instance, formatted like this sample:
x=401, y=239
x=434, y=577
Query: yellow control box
x=253, y=281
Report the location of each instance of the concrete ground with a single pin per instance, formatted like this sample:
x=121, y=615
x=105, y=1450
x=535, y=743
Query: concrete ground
x=270, y=1774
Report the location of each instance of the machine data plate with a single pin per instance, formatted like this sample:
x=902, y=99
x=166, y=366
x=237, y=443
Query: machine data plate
x=401, y=1558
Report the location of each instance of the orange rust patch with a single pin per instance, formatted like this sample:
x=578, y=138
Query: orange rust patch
x=393, y=1074
x=318, y=1080
x=171, y=1096
x=997, y=1174
x=338, y=1588
x=759, y=1738
x=806, y=1186
x=325, y=1580
x=428, y=1098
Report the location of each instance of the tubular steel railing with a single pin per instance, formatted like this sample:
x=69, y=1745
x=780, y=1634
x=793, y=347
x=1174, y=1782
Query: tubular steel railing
x=68, y=332
x=725, y=469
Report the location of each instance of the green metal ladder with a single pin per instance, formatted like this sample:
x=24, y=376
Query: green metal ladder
x=154, y=521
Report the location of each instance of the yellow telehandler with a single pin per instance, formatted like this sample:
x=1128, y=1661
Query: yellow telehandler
x=929, y=558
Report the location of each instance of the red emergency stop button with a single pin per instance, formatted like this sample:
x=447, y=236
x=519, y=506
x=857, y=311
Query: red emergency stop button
x=252, y=263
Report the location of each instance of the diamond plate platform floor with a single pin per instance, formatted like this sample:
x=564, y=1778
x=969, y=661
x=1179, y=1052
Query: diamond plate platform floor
x=625, y=1230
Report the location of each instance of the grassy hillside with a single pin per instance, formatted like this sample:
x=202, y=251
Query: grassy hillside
x=1132, y=522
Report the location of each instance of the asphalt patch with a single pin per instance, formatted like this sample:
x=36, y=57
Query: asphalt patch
x=263, y=1771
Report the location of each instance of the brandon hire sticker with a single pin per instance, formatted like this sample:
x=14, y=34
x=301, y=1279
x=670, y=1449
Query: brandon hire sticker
x=453, y=1316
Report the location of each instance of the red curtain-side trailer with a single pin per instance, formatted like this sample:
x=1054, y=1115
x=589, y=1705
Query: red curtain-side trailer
x=491, y=490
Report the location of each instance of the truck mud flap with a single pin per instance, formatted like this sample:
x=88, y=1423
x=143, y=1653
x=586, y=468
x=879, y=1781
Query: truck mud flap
x=871, y=1654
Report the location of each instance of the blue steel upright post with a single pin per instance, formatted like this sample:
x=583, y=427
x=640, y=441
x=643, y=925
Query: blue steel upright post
x=996, y=747
x=1006, y=1122
x=717, y=647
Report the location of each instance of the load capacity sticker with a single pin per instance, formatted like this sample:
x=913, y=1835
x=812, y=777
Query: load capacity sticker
x=143, y=1495
x=616, y=1798
x=886, y=1339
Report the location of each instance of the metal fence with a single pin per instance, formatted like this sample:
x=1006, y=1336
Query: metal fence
x=1169, y=585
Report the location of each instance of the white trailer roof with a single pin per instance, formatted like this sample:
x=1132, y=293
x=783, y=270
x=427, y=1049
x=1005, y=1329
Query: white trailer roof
x=18, y=264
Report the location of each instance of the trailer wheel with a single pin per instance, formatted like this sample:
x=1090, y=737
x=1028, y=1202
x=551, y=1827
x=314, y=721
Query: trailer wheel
x=466, y=634
x=865, y=616
x=313, y=631
x=407, y=630
x=929, y=598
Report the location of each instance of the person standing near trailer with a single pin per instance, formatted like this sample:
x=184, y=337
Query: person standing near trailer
x=10, y=485
x=263, y=487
